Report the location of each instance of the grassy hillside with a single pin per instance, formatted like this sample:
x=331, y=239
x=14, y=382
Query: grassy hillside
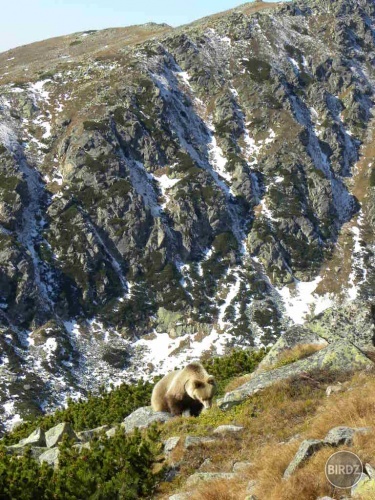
x=275, y=421
x=118, y=467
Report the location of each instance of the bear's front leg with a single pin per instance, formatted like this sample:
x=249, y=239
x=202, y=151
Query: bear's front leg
x=175, y=406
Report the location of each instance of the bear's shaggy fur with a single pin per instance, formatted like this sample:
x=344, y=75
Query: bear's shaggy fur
x=188, y=390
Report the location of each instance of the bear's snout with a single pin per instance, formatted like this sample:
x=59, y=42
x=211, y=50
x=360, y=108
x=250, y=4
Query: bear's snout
x=207, y=404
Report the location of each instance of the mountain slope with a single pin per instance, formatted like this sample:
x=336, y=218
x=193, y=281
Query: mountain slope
x=170, y=191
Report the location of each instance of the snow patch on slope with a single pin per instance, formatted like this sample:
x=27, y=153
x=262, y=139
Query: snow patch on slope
x=358, y=263
x=301, y=301
x=164, y=354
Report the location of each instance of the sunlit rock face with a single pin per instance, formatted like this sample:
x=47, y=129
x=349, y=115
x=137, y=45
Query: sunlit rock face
x=165, y=193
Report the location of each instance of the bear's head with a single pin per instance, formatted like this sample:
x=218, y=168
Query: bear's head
x=202, y=390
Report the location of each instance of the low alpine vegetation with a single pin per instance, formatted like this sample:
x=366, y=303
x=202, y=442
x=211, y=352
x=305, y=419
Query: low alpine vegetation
x=119, y=467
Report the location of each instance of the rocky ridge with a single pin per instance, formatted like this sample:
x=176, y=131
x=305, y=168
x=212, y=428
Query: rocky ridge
x=167, y=192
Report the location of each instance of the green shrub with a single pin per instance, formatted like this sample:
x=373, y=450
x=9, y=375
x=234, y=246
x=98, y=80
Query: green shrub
x=92, y=125
x=224, y=243
x=105, y=408
x=372, y=178
x=120, y=467
x=260, y=71
x=239, y=362
x=118, y=115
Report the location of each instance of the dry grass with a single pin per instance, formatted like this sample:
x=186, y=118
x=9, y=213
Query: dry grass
x=237, y=382
x=275, y=415
x=294, y=354
x=353, y=408
x=248, y=9
x=217, y=490
x=276, y=421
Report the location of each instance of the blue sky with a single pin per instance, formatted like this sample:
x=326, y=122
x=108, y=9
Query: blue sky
x=26, y=21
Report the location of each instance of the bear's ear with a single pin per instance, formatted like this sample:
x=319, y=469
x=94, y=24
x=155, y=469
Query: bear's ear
x=198, y=384
x=211, y=380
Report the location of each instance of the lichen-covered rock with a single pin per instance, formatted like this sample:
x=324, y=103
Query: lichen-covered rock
x=344, y=435
x=175, y=323
x=36, y=438
x=57, y=433
x=339, y=356
x=193, y=441
x=353, y=322
x=223, y=429
x=370, y=471
x=296, y=335
x=365, y=488
x=143, y=418
x=200, y=477
x=180, y=496
x=251, y=485
x=91, y=433
x=334, y=389
x=171, y=443
x=18, y=450
x=241, y=466
x=112, y=431
x=51, y=457
x=306, y=449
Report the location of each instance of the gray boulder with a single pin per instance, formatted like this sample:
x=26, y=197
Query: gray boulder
x=51, y=457
x=251, y=486
x=36, y=438
x=352, y=322
x=364, y=488
x=170, y=444
x=143, y=418
x=112, y=431
x=205, y=465
x=91, y=433
x=223, y=429
x=370, y=471
x=343, y=435
x=306, y=449
x=340, y=356
x=241, y=466
x=336, y=437
x=57, y=433
x=192, y=441
x=296, y=335
x=199, y=477
x=15, y=449
x=334, y=389
x=18, y=450
x=37, y=451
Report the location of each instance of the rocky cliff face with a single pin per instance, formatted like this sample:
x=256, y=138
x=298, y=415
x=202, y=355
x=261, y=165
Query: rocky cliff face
x=179, y=190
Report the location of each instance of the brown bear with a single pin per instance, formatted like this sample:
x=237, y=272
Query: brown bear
x=188, y=390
